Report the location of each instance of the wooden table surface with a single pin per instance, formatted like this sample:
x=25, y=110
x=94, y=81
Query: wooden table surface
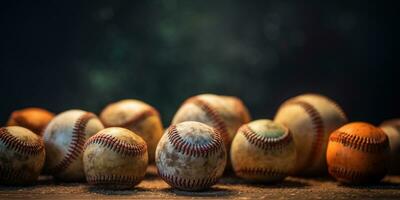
x=228, y=187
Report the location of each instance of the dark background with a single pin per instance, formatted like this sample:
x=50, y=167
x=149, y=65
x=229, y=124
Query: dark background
x=86, y=54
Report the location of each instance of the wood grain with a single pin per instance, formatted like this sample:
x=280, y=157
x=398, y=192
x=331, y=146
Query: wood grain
x=228, y=187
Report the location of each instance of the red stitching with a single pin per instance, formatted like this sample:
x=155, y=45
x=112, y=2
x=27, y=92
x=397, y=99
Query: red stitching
x=113, y=179
x=265, y=143
x=218, y=122
x=117, y=145
x=137, y=118
x=336, y=105
x=371, y=145
x=260, y=171
x=318, y=126
x=19, y=146
x=188, y=183
x=76, y=146
x=352, y=175
x=195, y=150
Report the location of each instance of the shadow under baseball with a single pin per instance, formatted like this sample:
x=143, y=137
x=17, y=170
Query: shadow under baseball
x=286, y=183
x=211, y=192
x=108, y=191
x=384, y=185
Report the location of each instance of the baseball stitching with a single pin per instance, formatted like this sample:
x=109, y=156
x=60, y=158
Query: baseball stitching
x=76, y=146
x=265, y=143
x=370, y=145
x=137, y=118
x=216, y=119
x=117, y=145
x=261, y=172
x=318, y=127
x=113, y=179
x=22, y=147
x=188, y=183
x=349, y=174
x=195, y=150
x=335, y=105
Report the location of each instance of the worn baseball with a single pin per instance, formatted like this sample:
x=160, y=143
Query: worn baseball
x=115, y=158
x=263, y=151
x=224, y=113
x=22, y=156
x=392, y=130
x=191, y=156
x=138, y=117
x=358, y=152
x=64, y=139
x=310, y=118
x=34, y=119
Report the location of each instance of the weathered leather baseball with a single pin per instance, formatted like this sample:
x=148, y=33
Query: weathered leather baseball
x=311, y=118
x=264, y=151
x=34, y=119
x=191, y=156
x=224, y=113
x=64, y=138
x=392, y=130
x=138, y=117
x=358, y=153
x=115, y=158
x=22, y=156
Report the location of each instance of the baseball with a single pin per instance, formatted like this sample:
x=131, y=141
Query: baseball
x=115, y=158
x=310, y=118
x=224, y=113
x=64, y=138
x=392, y=130
x=138, y=117
x=191, y=156
x=34, y=119
x=22, y=156
x=358, y=153
x=263, y=151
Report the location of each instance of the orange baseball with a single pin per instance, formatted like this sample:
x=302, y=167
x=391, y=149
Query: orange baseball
x=34, y=119
x=358, y=153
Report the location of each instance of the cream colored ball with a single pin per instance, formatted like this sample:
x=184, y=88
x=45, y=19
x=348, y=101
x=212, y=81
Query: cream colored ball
x=392, y=130
x=191, y=156
x=64, y=138
x=22, y=156
x=263, y=151
x=115, y=158
x=224, y=113
x=138, y=117
x=311, y=118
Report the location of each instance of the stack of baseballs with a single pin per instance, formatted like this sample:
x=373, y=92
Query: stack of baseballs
x=209, y=134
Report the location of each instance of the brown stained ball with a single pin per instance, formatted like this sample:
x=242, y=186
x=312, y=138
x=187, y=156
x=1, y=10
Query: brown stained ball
x=64, y=138
x=311, y=118
x=34, y=119
x=22, y=156
x=115, y=158
x=392, y=130
x=225, y=113
x=138, y=117
x=358, y=153
x=191, y=156
x=263, y=151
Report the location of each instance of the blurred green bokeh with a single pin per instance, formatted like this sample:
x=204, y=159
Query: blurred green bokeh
x=88, y=54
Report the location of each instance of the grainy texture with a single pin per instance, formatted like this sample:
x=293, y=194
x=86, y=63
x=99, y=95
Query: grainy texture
x=228, y=187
